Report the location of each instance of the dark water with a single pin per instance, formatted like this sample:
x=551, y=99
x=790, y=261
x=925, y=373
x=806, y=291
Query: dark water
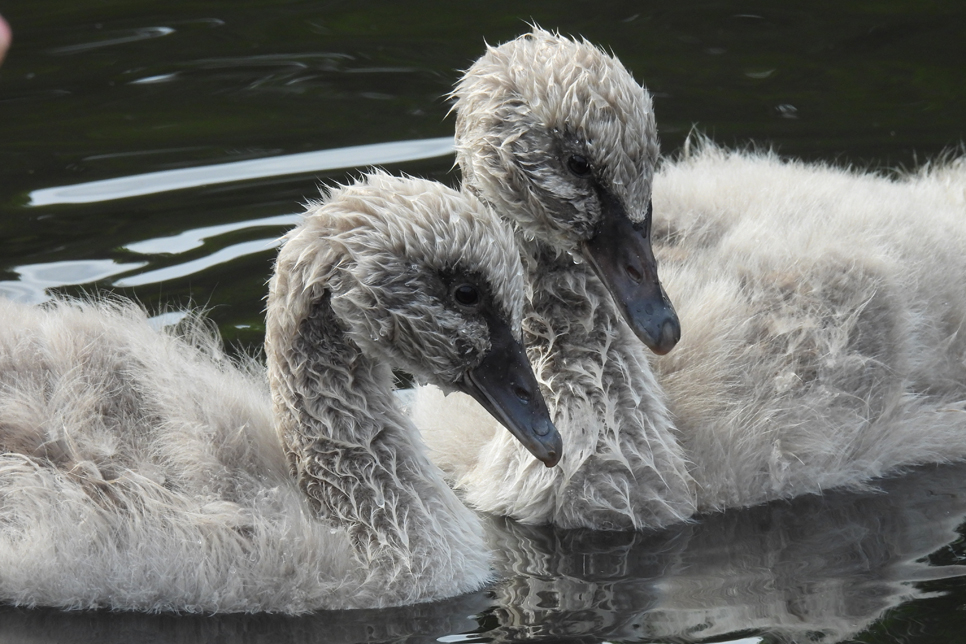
x=158, y=150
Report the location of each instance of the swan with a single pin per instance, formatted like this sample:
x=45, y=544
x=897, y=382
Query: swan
x=557, y=137
x=821, y=308
x=147, y=471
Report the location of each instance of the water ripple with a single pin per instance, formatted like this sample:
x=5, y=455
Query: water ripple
x=195, y=238
x=35, y=279
x=145, y=33
x=198, y=265
x=301, y=163
x=159, y=78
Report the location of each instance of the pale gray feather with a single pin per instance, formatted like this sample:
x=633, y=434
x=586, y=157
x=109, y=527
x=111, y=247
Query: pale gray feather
x=144, y=470
x=821, y=309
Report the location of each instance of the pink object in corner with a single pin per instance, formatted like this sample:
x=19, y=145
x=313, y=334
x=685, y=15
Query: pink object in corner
x=5, y=36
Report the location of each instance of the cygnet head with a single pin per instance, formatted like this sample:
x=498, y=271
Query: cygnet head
x=427, y=280
x=556, y=135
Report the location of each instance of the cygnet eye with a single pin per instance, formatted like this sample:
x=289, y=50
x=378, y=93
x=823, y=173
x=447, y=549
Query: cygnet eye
x=466, y=294
x=579, y=165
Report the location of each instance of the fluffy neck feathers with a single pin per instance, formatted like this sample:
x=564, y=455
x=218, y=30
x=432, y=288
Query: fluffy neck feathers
x=604, y=399
x=356, y=457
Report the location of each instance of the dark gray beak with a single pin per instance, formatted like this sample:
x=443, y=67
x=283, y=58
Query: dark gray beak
x=623, y=259
x=506, y=387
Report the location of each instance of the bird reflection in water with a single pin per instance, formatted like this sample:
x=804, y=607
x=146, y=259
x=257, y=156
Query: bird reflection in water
x=817, y=569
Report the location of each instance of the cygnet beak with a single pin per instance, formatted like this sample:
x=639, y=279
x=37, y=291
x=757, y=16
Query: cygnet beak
x=506, y=387
x=623, y=259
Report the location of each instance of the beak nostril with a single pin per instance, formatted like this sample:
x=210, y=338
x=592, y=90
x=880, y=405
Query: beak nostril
x=522, y=394
x=542, y=427
x=634, y=273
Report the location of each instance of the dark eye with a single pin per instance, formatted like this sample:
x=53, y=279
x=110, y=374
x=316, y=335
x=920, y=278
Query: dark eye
x=579, y=165
x=466, y=294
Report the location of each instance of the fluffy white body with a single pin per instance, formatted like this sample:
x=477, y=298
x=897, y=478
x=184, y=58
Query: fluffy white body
x=821, y=309
x=146, y=471
x=823, y=314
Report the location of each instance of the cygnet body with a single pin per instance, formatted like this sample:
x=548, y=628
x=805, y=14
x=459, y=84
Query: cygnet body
x=819, y=318
x=147, y=471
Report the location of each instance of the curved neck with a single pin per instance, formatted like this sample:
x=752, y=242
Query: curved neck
x=623, y=464
x=357, y=459
x=582, y=340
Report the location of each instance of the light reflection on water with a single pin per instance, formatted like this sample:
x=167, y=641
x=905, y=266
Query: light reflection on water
x=122, y=38
x=35, y=279
x=195, y=238
x=357, y=156
x=192, y=267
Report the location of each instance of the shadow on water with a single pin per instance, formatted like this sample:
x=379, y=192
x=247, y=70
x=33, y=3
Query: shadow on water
x=816, y=569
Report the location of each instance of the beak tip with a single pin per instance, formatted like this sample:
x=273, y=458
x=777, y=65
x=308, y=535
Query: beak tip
x=552, y=458
x=505, y=386
x=662, y=342
x=552, y=451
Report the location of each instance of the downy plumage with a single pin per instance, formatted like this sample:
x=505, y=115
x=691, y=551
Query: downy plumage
x=147, y=471
x=821, y=308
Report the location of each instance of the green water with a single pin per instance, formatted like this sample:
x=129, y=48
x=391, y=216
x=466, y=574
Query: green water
x=96, y=91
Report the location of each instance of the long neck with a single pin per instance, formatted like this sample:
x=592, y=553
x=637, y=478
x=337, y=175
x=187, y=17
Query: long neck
x=605, y=399
x=578, y=331
x=358, y=459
